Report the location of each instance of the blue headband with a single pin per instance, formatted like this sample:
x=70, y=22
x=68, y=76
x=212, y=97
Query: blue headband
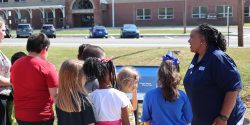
x=170, y=56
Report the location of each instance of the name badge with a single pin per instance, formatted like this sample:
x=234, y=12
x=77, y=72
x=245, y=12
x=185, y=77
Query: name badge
x=201, y=68
x=191, y=66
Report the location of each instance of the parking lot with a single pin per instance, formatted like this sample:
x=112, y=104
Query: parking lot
x=152, y=41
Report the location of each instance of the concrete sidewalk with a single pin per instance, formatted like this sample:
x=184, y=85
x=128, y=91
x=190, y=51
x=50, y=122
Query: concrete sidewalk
x=142, y=35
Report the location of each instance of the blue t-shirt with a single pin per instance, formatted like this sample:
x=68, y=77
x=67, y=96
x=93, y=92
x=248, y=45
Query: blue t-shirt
x=162, y=112
x=206, y=84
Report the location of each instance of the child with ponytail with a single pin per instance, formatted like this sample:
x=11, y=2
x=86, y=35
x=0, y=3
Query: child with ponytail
x=167, y=104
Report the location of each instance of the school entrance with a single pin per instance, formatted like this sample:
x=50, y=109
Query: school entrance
x=83, y=20
x=83, y=13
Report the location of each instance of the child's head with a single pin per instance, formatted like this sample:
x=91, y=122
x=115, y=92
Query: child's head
x=71, y=82
x=169, y=79
x=16, y=56
x=127, y=79
x=101, y=69
x=87, y=50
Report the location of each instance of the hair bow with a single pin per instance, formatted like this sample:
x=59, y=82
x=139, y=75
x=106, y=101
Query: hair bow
x=170, y=56
x=104, y=60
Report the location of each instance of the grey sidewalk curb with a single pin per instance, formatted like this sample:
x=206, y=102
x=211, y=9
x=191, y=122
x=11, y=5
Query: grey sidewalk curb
x=142, y=35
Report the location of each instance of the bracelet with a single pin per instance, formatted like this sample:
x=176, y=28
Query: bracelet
x=223, y=117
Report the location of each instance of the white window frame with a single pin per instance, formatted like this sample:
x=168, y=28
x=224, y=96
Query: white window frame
x=165, y=16
x=224, y=14
x=46, y=0
x=201, y=15
x=47, y=19
x=21, y=1
x=2, y=1
x=247, y=14
x=143, y=17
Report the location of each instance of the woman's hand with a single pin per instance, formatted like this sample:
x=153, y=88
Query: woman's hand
x=219, y=121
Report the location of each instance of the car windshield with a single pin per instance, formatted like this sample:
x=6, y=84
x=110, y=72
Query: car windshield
x=47, y=27
x=23, y=26
x=130, y=27
x=99, y=28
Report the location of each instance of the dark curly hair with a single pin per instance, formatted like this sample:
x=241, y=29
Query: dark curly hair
x=95, y=68
x=212, y=36
x=87, y=50
x=169, y=79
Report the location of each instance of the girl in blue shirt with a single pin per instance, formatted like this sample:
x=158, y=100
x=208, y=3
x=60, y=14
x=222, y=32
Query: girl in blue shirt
x=166, y=105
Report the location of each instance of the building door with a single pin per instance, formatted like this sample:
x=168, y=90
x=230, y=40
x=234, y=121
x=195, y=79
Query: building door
x=83, y=20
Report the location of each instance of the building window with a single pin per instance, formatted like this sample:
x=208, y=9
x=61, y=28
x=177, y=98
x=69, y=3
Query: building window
x=82, y=4
x=247, y=11
x=143, y=14
x=222, y=11
x=48, y=17
x=3, y=1
x=199, y=12
x=20, y=0
x=166, y=13
x=46, y=0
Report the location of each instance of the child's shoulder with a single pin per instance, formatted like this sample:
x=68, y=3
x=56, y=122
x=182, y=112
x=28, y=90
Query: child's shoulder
x=118, y=92
x=183, y=95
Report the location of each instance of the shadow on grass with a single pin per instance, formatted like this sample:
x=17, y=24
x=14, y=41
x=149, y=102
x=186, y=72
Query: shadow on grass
x=246, y=121
x=133, y=53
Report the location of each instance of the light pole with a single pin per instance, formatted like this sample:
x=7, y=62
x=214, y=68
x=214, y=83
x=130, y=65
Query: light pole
x=185, y=16
x=228, y=8
x=113, y=13
x=240, y=23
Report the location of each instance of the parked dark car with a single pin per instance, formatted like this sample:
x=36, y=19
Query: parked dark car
x=98, y=32
x=7, y=32
x=49, y=30
x=129, y=31
x=24, y=30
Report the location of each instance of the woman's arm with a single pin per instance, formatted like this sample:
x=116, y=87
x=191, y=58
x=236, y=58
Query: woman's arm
x=4, y=81
x=227, y=107
x=53, y=92
x=147, y=123
x=134, y=99
x=125, y=120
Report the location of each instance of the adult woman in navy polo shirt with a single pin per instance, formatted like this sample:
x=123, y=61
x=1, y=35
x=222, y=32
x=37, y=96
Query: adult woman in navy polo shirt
x=212, y=81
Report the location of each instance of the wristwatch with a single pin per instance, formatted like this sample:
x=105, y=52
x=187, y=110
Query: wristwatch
x=223, y=117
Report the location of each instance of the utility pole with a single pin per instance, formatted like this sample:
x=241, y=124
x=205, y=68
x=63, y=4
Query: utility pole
x=240, y=23
x=228, y=14
x=113, y=13
x=185, y=17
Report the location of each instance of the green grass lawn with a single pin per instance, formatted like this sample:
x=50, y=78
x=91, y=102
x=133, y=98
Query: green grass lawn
x=147, y=57
x=246, y=24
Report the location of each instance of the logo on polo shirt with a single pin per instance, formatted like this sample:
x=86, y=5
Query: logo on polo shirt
x=191, y=66
x=201, y=68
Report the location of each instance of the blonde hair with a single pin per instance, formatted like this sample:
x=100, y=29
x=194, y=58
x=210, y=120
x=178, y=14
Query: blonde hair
x=2, y=22
x=127, y=78
x=71, y=84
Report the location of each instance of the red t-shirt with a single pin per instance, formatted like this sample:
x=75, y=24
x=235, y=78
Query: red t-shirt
x=31, y=78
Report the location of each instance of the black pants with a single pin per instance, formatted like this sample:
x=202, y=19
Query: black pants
x=49, y=122
x=4, y=113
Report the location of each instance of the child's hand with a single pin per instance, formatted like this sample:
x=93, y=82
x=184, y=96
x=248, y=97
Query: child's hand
x=135, y=88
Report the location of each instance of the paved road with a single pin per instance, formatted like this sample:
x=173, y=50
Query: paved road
x=175, y=41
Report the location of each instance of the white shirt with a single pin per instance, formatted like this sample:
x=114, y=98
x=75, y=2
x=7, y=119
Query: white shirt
x=108, y=103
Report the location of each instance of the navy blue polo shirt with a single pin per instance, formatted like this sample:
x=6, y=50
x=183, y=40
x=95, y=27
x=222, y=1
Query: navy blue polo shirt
x=206, y=84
